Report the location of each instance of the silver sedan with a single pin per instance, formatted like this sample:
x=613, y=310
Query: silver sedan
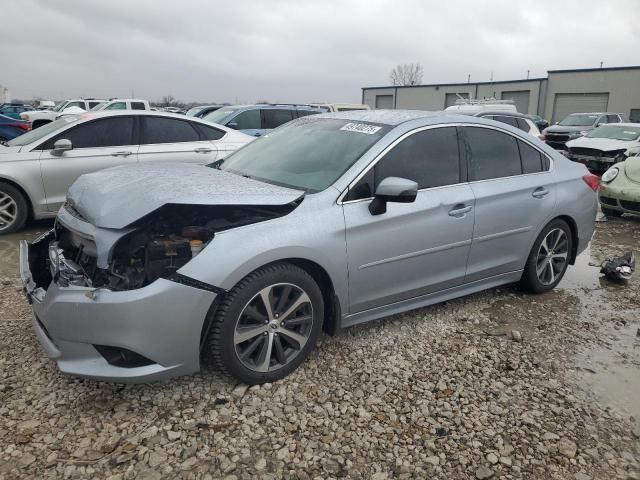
x=326, y=222
x=37, y=168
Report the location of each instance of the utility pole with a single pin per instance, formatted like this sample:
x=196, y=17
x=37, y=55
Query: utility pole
x=601, y=63
x=468, y=78
x=528, y=72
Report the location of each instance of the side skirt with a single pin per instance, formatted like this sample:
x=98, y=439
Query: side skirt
x=430, y=298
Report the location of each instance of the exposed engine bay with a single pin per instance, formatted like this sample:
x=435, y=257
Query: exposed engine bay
x=157, y=245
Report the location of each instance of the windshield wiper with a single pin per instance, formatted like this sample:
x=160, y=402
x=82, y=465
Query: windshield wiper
x=217, y=164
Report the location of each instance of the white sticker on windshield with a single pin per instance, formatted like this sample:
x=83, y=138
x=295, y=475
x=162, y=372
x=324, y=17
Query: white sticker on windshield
x=361, y=128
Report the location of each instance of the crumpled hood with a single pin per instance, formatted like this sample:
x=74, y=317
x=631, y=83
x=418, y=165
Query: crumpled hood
x=563, y=129
x=604, y=144
x=117, y=197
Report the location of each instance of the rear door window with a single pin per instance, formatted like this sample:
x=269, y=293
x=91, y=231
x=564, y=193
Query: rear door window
x=491, y=154
x=531, y=158
x=208, y=133
x=613, y=119
x=168, y=130
x=523, y=125
x=273, y=118
x=247, y=120
x=138, y=106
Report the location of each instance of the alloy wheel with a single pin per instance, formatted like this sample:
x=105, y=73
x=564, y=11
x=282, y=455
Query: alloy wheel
x=8, y=211
x=273, y=327
x=552, y=256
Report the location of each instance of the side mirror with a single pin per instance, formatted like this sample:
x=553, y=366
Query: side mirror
x=61, y=146
x=233, y=125
x=393, y=189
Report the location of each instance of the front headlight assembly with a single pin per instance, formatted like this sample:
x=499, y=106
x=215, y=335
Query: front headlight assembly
x=610, y=174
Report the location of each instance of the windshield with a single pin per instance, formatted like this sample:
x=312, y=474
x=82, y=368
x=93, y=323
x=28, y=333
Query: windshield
x=309, y=154
x=219, y=115
x=616, y=132
x=193, y=111
x=578, y=120
x=99, y=106
x=41, y=132
x=59, y=106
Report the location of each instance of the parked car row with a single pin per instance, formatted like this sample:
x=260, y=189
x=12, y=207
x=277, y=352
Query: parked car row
x=317, y=225
x=37, y=168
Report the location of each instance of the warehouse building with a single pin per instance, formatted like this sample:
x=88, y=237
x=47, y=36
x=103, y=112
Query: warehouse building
x=561, y=92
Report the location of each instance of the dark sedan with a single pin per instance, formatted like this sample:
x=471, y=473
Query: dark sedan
x=10, y=128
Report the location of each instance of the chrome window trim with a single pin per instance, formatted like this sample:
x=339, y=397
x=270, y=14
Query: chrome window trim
x=381, y=155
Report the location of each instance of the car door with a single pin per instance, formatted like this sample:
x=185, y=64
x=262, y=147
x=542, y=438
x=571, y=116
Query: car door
x=515, y=196
x=414, y=248
x=97, y=144
x=167, y=139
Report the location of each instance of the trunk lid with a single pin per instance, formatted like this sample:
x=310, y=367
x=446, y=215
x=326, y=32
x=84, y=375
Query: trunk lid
x=117, y=197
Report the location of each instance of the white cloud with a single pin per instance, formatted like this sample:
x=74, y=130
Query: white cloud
x=289, y=50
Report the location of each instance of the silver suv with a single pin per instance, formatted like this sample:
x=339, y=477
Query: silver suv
x=332, y=220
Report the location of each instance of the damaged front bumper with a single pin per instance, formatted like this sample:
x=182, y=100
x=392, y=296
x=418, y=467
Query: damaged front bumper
x=598, y=164
x=130, y=336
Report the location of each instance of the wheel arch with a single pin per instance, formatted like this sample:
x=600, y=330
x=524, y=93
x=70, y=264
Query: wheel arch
x=574, y=235
x=332, y=311
x=24, y=193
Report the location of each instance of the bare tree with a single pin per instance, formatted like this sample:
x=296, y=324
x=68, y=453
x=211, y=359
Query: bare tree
x=406, y=74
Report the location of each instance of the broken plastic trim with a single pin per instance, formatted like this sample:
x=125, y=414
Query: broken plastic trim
x=192, y=282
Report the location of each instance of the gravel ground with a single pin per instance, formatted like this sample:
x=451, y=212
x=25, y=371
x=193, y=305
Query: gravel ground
x=482, y=387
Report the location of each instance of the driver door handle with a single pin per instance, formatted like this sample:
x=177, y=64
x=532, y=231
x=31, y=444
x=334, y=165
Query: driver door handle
x=121, y=154
x=540, y=192
x=203, y=150
x=460, y=210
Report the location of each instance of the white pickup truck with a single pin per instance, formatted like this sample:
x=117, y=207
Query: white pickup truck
x=37, y=118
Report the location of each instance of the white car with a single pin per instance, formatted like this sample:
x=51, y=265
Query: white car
x=472, y=107
x=122, y=104
x=605, y=145
x=341, y=107
x=38, y=167
x=37, y=118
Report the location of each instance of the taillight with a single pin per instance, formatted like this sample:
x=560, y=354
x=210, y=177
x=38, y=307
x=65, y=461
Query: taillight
x=593, y=182
x=24, y=126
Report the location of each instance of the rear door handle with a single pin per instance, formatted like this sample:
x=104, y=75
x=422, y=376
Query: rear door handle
x=203, y=150
x=459, y=210
x=121, y=154
x=540, y=192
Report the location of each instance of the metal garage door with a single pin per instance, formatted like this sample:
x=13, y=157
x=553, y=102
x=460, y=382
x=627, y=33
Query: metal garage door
x=566, y=103
x=384, y=101
x=452, y=98
x=520, y=99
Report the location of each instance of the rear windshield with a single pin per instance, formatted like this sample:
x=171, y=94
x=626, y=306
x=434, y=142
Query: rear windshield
x=616, y=132
x=579, y=120
x=219, y=115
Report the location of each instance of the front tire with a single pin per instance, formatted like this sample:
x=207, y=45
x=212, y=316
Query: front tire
x=548, y=259
x=267, y=324
x=608, y=212
x=13, y=209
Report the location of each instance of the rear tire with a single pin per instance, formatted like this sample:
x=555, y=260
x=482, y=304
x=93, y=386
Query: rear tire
x=256, y=343
x=548, y=259
x=13, y=209
x=611, y=213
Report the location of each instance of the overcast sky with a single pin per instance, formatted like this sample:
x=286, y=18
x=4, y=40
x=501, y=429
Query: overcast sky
x=297, y=50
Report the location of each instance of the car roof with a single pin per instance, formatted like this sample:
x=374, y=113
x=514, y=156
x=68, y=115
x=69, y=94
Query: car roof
x=502, y=113
x=118, y=113
x=386, y=117
x=595, y=113
x=265, y=106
